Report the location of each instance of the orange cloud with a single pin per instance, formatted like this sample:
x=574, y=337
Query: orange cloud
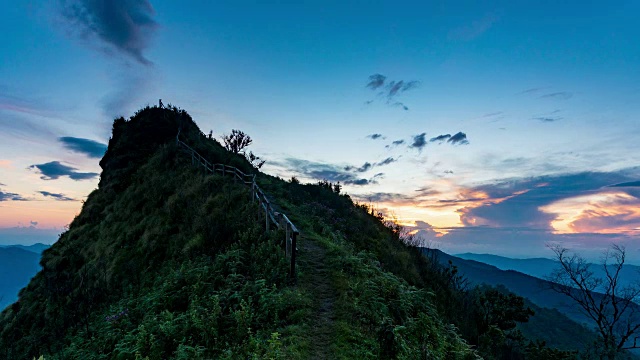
x=5, y=164
x=608, y=212
x=478, y=202
x=443, y=205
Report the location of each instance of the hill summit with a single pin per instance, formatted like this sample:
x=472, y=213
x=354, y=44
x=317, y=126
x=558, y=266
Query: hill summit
x=166, y=261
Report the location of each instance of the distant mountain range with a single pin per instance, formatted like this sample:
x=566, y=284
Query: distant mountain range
x=541, y=267
x=535, y=289
x=18, y=264
x=35, y=248
x=497, y=270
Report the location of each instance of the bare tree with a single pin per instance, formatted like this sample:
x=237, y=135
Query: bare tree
x=605, y=300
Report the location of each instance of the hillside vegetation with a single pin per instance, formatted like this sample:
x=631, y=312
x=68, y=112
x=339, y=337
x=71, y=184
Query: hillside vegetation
x=167, y=262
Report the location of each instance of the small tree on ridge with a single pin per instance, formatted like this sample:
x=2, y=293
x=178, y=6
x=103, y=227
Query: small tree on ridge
x=237, y=142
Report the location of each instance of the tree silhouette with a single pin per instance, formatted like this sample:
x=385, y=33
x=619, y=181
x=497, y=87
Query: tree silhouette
x=255, y=160
x=605, y=300
x=237, y=141
x=500, y=309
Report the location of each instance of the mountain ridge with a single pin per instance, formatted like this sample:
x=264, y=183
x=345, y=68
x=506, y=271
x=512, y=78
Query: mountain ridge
x=535, y=289
x=165, y=261
x=37, y=248
x=543, y=267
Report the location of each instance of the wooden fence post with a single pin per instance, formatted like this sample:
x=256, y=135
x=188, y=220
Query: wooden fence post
x=253, y=187
x=293, y=255
x=287, y=239
x=266, y=216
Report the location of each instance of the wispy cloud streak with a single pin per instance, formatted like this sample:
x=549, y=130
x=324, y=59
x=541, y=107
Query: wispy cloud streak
x=56, y=196
x=121, y=30
x=125, y=26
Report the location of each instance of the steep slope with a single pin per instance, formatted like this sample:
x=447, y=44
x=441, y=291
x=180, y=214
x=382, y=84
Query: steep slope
x=368, y=264
x=17, y=267
x=161, y=262
x=165, y=261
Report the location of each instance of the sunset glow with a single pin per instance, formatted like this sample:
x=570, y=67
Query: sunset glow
x=602, y=213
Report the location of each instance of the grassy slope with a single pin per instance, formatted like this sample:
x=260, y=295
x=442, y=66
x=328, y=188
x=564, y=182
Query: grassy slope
x=164, y=262
x=382, y=306
x=173, y=267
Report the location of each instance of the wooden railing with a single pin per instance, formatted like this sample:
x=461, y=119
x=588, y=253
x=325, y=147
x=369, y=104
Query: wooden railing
x=272, y=218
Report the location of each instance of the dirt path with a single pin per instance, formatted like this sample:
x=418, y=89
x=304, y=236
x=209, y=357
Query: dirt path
x=316, y=279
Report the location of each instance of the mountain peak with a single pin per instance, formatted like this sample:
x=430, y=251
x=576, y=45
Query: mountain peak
x=134, y=140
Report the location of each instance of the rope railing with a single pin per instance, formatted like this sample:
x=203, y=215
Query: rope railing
x=272, y=218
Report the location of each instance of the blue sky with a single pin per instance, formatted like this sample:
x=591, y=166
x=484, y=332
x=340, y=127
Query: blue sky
x=540, y=101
